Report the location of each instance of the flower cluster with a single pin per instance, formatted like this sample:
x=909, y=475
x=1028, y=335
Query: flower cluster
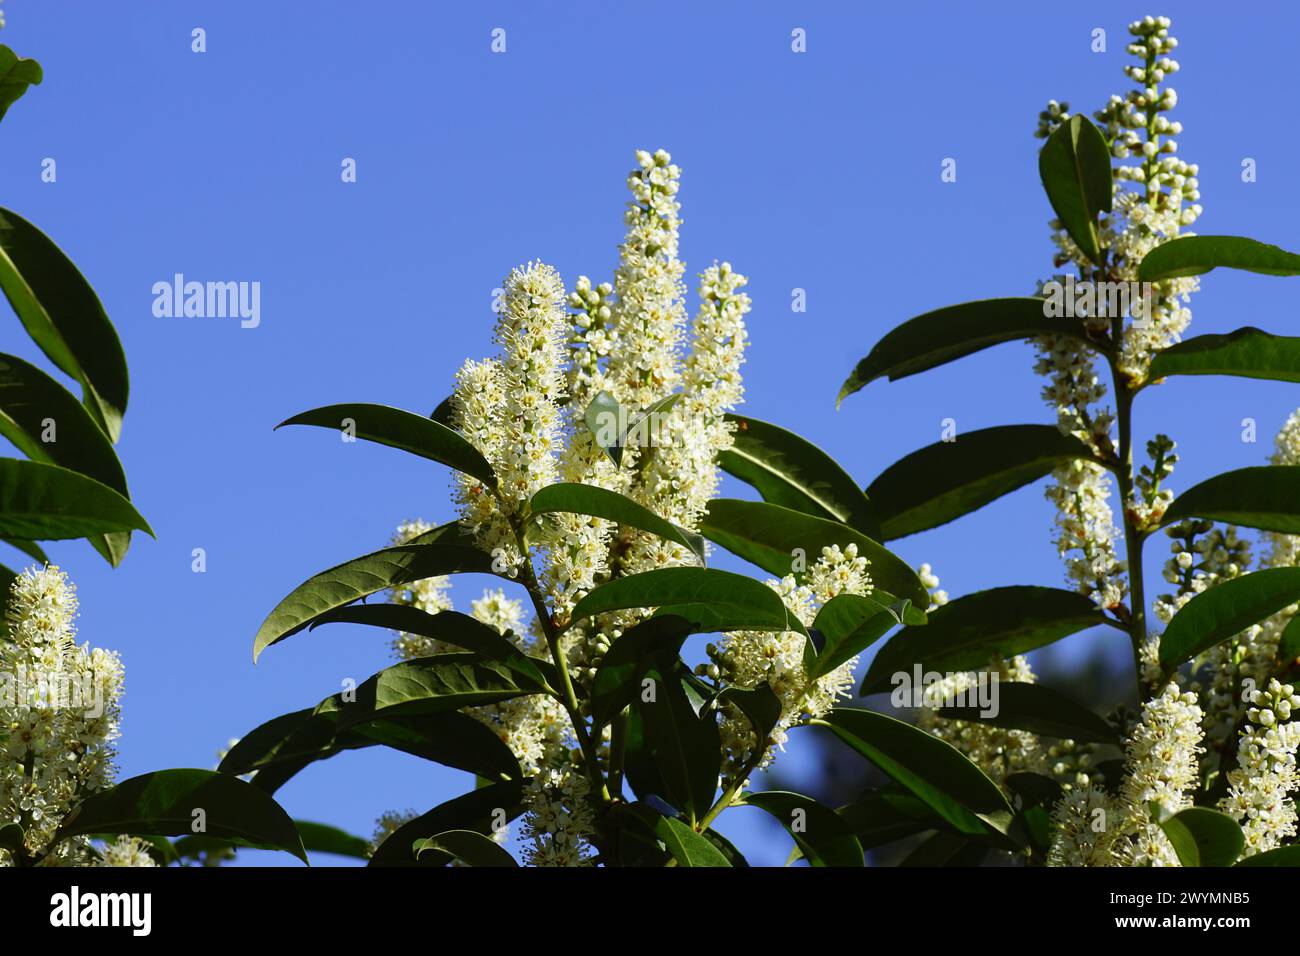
x=1260, y=788
x=558, y=822
x=59, y=715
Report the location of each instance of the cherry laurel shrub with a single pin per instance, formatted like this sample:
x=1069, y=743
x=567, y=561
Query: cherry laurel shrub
x=586, y=457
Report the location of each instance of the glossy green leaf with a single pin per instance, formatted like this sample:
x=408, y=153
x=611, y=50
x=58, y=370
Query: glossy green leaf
x=1204, y=837
x=1196, y=255
x=685, y=747
x=477, y=810
x=363, y=576
x=451, y=627
x=572, y=498
x=821, y=836
x=651, y=643
x=782, y=541
x=887, y=814
x=1074, y=166
x=42, y=502
x=322, y=838
x=711, y=600
x=428, y=685
x=848, y=624
x=688, y=847
x=1246, y=353
x=468, y=846
x=971, y=631
x=16, y=75
x=1282, y=856
x=1265, y=497
x=792, y=472
x=760, y=704
x=946, y=849
x=64, y=317
x=405, y=430
x=1039, y=710
x=614, y=427
x=948, y=479
x=167, y=803
x=935, y=771
x=943, y=335
x=1225, y=610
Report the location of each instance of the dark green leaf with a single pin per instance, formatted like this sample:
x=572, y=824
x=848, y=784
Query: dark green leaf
x=401, y=429
x=43, y=502
x=477, y=810
x=946, y=849
x=1248, y=353
x=943, y=335
x=1040, y=710
x=1265, y=497
x=782, y=541
x=848, y=624
x=29, y=548
x=469, y=846
x=321, y=838
x=362, y=577
x=977, y=629
x=685, y=747
x=651, y=643
x=16, y=74
x=792, y=472
x=711, y=600
x=168, y=802
x=888, y=814
x=760, y=704
x=1225, y=610
x=821, y=836
x=610, y=505
x=948, y=479
x=939, y=774
x=1074, y=166
x=64, y=317
x=688, y=847
x=1204, y=837
x=1282, y=856
x=1195, y=255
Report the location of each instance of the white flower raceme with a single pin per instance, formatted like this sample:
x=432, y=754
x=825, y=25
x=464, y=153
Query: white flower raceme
x=126, y=851
x=1261, y=789
x=1085, y=830
x=558, y=821
x=749, y=658
x=59, y=715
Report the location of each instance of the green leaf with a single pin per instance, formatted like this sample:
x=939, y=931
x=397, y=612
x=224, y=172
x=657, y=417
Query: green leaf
x=614, y=428
x=64, y=317
x=821, y=836
x=936, y=772
x=943, y=335
x=572, y=498
x=1247, y=353
x=711, y=600
x=322, y=838
x=848, y=624
x=778, y=540
x=688, y=847
x=1074, y=166
x=1282, y=856
x=684, y=746
x=451, y=627
x=428, y=685
x=468, y=846
x=651, y=643
x=792, y=472
x=760, y=704
x=477, y=810
x=1040, y=710
x=1196, y=255
x=946, y=849
x=1225, y=610
x=29, y=548
x=167, y=803
x=887, y=814
x=1034, y=797
x=366, y=575
x=29, y=400
x=407, y=431
x=16, y=74
x=974, y=630
x=1204, y=837
x=43, y=502
x=285, y=745
x=948, y=479
x=1265, y=497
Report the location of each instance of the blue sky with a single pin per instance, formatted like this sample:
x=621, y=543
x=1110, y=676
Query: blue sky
x=817, y=171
